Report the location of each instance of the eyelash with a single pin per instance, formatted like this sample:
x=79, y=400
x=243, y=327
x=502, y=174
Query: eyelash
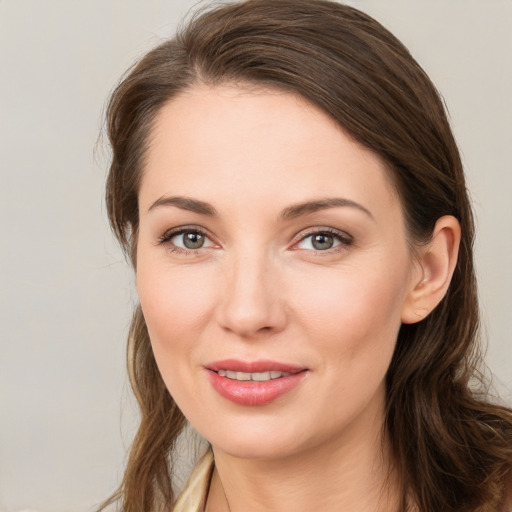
x=345, y=240
x=168, y=235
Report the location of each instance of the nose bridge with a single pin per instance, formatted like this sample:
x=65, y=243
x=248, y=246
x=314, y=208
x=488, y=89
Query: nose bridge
x=251, y=302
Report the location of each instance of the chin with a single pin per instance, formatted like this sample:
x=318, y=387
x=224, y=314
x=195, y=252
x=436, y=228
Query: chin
x=261, y=442
x=257, y=449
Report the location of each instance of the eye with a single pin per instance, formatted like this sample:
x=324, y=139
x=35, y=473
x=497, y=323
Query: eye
x=190, y=240
x=186, y=239
x=323, y=241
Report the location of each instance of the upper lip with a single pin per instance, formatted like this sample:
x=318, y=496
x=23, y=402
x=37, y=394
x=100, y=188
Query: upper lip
x=259, y=366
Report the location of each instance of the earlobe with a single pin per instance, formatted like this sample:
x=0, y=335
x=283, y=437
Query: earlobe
x=436, y=263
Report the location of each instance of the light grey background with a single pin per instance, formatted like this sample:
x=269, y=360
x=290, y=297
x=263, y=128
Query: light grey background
x=66, y=292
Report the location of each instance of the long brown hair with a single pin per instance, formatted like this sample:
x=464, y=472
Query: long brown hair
x=452, y=446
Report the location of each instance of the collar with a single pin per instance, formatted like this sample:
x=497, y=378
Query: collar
x=194, y=494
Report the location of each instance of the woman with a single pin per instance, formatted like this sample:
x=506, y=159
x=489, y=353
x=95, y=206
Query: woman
x=287, y=186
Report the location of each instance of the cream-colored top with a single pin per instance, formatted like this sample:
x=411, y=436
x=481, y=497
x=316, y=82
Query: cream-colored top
x=194, y=494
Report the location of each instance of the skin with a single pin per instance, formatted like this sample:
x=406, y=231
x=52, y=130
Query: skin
x=259, y=289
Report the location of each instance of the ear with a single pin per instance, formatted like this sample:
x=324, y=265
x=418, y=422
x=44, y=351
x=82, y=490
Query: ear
x=435, y=263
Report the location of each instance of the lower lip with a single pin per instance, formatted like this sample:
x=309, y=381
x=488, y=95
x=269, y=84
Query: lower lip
x=253, y=393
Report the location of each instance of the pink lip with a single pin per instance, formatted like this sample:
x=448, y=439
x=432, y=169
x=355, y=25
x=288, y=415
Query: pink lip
x=253, y=393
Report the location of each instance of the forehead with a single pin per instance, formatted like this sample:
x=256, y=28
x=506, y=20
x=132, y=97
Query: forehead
x=231, y=142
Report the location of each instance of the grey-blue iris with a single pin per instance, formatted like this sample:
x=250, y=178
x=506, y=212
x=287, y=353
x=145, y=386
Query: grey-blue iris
x=193, y=240
x=322, y=241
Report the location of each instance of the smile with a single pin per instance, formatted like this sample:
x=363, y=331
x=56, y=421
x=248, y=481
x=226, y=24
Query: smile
x=256, y=376
x=254, y=383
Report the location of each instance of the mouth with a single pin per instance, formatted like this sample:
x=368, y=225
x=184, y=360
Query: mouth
x=254, y=383
x=254, y=376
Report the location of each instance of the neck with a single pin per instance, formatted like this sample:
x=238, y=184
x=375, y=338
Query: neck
x=349, y=473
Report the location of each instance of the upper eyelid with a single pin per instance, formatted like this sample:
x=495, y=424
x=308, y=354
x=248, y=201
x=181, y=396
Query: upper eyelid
x=303, y=234
x=182, y=229
x=172, y=232
x=318, y=230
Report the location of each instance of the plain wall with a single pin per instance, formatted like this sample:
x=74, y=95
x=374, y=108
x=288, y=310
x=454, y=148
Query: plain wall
x=66, y=291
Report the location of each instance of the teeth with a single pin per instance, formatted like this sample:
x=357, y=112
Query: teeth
x=260, y=376
x=256, y=376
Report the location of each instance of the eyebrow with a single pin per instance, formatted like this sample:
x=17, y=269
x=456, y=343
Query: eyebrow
x=291, y=212
x=322, y=204
x=185, y=203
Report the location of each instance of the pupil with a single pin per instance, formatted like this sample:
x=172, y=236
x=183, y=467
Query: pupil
x=322, y=242
x=193, y=240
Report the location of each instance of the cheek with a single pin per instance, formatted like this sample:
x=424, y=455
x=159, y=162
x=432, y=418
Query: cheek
x=350, y=301
x=353, y=315
x=176, y=307
x=177, y=304
x=175, y=300
x=352, y=320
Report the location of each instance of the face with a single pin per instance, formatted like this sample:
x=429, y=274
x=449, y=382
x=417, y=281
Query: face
x=272, y=269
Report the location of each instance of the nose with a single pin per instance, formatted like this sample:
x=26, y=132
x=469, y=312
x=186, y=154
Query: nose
x=252, y=302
